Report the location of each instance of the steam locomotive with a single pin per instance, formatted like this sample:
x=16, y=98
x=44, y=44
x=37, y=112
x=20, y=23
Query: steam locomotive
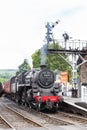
x=35, y=88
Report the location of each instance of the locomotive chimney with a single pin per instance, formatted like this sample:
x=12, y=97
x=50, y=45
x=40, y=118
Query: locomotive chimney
x=42, y=66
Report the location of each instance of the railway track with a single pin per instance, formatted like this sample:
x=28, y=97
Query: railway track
x=43, y=120
x=60, y=118
x=73, y=119
x=4, y=124
x=16, y=120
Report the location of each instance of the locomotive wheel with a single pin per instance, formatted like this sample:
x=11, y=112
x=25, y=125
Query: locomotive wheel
x=57, y=106
x=29, y=105
x=26, y=104
x=17, y=99
x=38, y=107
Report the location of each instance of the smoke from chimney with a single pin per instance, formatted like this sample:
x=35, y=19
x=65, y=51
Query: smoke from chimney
x=43, y=54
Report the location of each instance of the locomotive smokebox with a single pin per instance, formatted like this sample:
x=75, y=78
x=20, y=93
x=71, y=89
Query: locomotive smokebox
x=43, y=67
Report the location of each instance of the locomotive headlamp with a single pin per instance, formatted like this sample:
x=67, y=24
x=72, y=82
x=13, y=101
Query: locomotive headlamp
x=38, y=94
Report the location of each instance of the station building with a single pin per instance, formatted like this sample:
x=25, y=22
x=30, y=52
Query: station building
x=83, y=77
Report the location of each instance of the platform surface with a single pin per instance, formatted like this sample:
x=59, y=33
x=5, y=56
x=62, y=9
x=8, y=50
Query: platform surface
x=77, y=104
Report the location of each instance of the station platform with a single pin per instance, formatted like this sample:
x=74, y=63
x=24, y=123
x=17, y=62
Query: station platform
x=72, y=100
x=76, y=103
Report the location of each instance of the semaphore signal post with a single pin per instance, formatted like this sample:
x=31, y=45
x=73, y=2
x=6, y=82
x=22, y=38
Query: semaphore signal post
x=73, y=48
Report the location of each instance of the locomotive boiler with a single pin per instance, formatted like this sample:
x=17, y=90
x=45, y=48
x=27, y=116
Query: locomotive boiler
x=36, y=89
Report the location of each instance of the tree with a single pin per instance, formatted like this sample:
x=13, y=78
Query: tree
x=53, y=62
x=23, y=67
x=2, y=80
x=36, y=59
x=5, y=76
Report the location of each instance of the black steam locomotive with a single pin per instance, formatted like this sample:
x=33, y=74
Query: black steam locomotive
x=36, y=89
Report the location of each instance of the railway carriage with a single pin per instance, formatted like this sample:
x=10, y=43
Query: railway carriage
x=1, y=88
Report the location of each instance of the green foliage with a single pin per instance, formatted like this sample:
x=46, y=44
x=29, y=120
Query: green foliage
x=36, y=59
x=54, y=61
x=5, y=75
x=2, y=80
x=55, y=46
x=23, y=67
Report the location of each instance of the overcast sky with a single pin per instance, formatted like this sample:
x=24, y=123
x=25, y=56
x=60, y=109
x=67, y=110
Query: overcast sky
x=22, y=26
